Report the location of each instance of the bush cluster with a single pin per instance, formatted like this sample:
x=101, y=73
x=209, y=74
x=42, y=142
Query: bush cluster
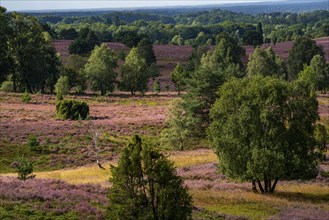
x=72, y=109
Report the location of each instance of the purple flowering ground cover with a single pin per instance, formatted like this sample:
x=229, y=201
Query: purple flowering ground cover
x=50, y=199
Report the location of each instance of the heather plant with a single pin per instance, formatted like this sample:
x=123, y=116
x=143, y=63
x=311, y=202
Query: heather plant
x=33, y=143
x=146, y=186
x=72, y=109
x=24, y=168
x=52, y=199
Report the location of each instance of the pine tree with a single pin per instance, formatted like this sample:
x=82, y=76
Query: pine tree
x=146, y=186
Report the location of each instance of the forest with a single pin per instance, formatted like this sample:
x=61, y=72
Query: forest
x=184, y=114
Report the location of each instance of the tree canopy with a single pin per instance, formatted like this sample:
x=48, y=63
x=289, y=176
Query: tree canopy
x=134, y=73
x=262, y=131
x=100, y=69
x=84, y=43
x=302, y=52
x=36, y=65
x=146, y=186
x=266, y=63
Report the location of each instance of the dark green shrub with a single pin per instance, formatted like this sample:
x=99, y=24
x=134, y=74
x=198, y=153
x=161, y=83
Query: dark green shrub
x=145, y=185
x=26, y=97
x=33, y=143
x=24, y=168
x=72, y=109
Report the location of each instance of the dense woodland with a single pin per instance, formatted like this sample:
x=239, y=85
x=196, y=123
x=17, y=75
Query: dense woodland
x=195, y=28
x=259, y=117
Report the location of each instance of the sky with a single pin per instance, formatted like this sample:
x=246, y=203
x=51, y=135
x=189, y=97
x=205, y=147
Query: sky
x=19, y=5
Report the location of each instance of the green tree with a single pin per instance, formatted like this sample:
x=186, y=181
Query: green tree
x=263, y=130
x=177, y=133
x=73, y=69
x=24, y=168
x=215, y=68
x=62, y=86
x=6, y=33
x=156, y=86
x=32, y=73
x=302, y=52
x=179, y=77
x=252, y=37
x=135, y=73
x=316, y=74
x=259, y=29
x=146, y=186
x=100, y=69
x=177, y=40
x=84, y=43
x=145, y=50
x=266, y=63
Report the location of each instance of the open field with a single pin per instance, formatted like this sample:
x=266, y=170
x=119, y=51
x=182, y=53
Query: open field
x=66, y=166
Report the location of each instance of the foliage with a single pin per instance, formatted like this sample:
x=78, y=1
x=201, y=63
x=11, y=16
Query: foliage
x=62, y=86
x=316, y=74
x=7, y=86
x=145, y=50
x=262, y=130
x=24, y=168
x=84, y=43
x=146, y=186
x=72, y=109
x=253, y=38
x=215, y=68
x=100, y=69
x=179, y=77
x=73, y=69
x=302, y=52
x=178, y=132
x=33, y=143
x=26, y=97
x=32, y=73
x=266, y=63
x=135, y=73
x=157, y=86
x=6, y=34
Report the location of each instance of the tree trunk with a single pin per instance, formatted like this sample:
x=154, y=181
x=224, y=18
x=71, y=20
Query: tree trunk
x=254, y=188
x=274, y=185
x=260, y=186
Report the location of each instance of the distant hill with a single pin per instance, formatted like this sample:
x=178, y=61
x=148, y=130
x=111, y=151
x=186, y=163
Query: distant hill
x=247, y=8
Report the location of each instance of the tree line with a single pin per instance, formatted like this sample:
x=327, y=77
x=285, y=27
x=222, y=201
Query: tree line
x=29, y=61
x=194, y=28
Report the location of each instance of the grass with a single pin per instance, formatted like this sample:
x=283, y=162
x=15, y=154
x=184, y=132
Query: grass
x=81, y=175
x=191, y=158
x=247, y=204
x=93, y=174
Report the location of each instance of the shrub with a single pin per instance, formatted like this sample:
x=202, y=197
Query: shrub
x=33, y=143
x=7, y=86
x=72, y=109
x=157, y=87
x=26, y=97
x=24, y=168
x=62, y=86
x=146, y=186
